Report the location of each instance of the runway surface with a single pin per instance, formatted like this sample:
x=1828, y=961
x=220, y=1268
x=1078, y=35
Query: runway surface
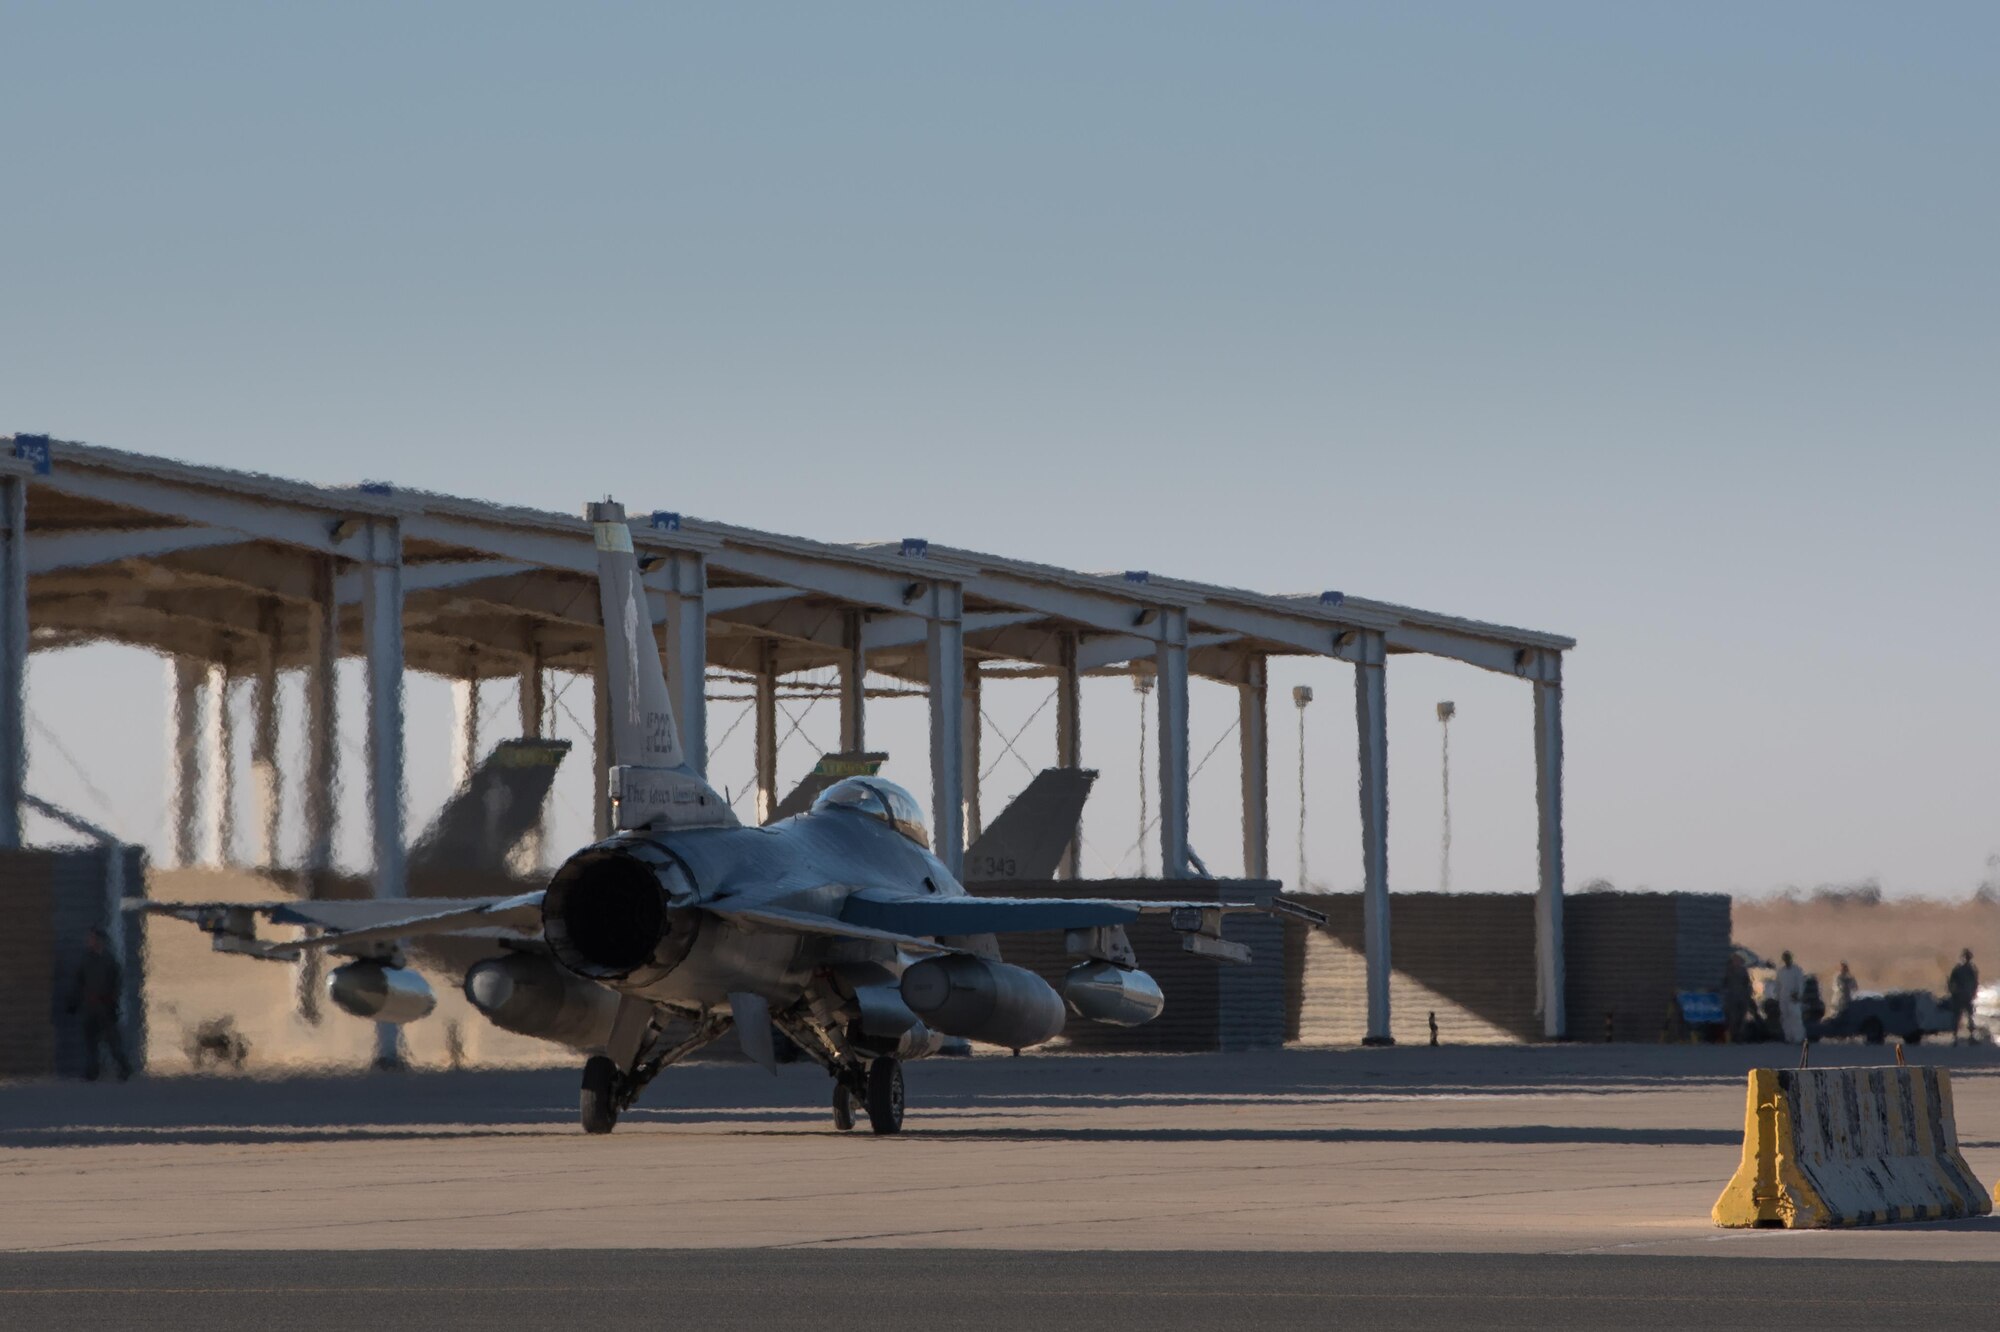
x=1555, y=1151
x=943, y=1290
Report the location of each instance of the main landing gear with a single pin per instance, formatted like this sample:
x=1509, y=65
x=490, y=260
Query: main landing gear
x=597, y=1103
x=878, y=1090
x=609, y=1087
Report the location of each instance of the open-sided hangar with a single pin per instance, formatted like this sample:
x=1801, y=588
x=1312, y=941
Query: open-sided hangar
x=232, y=574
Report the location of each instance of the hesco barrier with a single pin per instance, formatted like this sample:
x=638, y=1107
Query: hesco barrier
x=1469, y=958
x=50, y=900
x=1849, y=1147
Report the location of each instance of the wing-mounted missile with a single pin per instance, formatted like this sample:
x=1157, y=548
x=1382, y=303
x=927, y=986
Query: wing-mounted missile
x=652, y=783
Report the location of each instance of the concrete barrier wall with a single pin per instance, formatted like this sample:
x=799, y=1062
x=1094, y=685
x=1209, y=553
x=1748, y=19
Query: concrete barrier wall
x=1849, y=1147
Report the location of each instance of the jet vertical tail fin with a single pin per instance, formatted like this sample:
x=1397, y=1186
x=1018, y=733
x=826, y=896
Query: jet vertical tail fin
x=652, y=782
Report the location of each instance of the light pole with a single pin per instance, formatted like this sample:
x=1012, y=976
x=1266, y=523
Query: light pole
x=1302, y=695
x=1446, y=711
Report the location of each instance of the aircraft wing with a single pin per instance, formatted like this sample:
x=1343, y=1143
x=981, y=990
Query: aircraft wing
x=1020, y=915
x=347, y=925
x=805, y=922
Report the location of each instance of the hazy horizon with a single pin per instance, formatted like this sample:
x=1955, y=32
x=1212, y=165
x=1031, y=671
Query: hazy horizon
x=1668, y=329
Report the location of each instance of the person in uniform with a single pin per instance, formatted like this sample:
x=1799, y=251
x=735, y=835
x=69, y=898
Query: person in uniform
x=1843, y=988
x=1791, y=987
x=95, y=998
x=1962, y=988
x=1736, y=997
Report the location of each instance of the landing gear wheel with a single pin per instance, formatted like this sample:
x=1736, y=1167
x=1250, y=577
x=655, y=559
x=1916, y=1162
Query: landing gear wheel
x=885, y=1095
x=843, y=1107
x=1871, y=1031
x=597, y=1104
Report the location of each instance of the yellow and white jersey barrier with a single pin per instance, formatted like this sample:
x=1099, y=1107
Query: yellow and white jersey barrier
x=1849, y=1147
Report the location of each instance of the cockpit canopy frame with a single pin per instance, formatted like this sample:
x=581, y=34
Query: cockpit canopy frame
x=881, y=799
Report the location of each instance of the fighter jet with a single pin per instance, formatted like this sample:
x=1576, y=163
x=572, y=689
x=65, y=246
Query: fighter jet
x=838, y=927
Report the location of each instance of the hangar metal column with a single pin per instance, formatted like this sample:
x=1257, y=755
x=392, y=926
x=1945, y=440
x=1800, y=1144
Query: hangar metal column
x=1170, y=662
x=184, y=677
x=767, y=730
x=534, y=691
x=969, y=740
x=322, y=680
x=1252, y=726
x=1069, y=735
x=534, y=698
x=944, y=639
x=264, y=774
x=687, y=651
x=1549, y=978
x=13, y=654
x=465, y=727
x=1371, y=726
x=221, y=737
x=382, y=642
x=853, y=686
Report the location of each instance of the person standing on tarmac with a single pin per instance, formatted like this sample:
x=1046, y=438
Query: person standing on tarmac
x=95, y=997
x=1737, y=999
x=1843, y=988
x=1962, y=989
x=1791, y=987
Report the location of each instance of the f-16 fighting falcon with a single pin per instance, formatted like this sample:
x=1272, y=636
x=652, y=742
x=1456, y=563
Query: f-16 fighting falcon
x=837, y=927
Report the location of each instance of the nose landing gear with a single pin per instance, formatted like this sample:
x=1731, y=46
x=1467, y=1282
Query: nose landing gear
x=878, y=1090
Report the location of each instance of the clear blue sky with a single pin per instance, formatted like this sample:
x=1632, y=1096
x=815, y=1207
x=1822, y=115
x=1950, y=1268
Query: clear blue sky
x=1669, y=327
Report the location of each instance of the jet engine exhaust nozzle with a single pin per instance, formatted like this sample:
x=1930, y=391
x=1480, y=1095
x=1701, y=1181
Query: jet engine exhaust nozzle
x=611, y=914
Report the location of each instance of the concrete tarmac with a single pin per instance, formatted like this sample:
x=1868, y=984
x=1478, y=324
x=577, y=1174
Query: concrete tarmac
x=945, y=1290
x=1576, y=1150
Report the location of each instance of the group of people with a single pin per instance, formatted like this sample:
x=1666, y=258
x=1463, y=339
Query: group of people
x=1789, y=987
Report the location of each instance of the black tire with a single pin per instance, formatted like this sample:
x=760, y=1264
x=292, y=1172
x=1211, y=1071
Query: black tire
x=1914, y=1038
x=597, y=1104
x=843, y=1107
x=1871, y=1031
x=885, y=1095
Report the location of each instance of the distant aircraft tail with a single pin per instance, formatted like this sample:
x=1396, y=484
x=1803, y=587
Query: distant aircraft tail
x=831, y=768
x=502, y=799
x=652, y=782
x=1028, y=838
